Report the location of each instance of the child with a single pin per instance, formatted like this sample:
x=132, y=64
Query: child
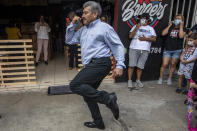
x=188, y=58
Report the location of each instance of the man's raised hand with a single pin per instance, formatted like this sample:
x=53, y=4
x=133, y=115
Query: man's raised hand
x=76, y=19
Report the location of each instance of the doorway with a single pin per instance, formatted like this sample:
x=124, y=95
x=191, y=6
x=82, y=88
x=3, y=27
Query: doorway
x=57, y=71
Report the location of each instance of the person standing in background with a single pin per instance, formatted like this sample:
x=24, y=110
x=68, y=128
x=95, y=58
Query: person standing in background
x=13, y=32
x=193, y=29
x=174, y=33
x=187, y=60
x=42, y=29
x=104, y=18
x=73, y=48
x=142, y=35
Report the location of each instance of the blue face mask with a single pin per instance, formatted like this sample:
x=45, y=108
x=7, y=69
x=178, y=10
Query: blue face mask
x=177, y=22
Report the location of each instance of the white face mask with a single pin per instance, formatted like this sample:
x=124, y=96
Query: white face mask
x=142, y=21
x=177, y=22
x=190, y=43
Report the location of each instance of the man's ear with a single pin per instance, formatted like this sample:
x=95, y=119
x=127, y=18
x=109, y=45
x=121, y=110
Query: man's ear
x=95, y=14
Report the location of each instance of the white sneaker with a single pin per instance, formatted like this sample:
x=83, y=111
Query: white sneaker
x=169, y=81
x=160, y=81
x=130, y=85
x=139, y=84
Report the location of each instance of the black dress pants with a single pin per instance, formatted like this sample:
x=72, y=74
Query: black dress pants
x=88, y=80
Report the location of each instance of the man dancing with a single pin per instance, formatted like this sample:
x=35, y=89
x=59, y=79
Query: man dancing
x=97, y=39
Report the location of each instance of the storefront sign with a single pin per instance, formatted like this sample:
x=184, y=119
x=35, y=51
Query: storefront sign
x=128, y=11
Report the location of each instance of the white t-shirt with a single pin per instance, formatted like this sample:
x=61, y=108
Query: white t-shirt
x=43, y=31
x=146, y=31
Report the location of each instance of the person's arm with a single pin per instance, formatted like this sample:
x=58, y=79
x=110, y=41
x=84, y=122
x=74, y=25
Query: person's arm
x=73, y=37
x=48, y=28
x=132, y=33
x=181, y=57
x=37, y=27
x=113, y=41
x=190, y=32
x=165, y=31
x=194, y=85
x=19, y=34
x=151, y=39
x=181, y=32
x=192, y=60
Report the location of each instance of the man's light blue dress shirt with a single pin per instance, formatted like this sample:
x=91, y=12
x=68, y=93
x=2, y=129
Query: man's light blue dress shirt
x=96, y=40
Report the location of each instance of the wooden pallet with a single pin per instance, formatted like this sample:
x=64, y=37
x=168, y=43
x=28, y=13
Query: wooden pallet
x=16, y=63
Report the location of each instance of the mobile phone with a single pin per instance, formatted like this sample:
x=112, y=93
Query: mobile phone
x=67, y=20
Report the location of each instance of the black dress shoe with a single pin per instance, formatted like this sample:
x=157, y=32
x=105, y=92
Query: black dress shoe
x=0, y=116
x=113, y=105
x=94, y=125
x=46, y=63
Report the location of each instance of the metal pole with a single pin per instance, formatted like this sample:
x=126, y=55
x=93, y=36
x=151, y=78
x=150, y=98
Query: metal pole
x=183, y=7
x=171, y=8
x=194, y=14
x=188, y=12
x=177, y=7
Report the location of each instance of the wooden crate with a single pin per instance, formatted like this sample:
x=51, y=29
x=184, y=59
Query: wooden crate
x=16, y=63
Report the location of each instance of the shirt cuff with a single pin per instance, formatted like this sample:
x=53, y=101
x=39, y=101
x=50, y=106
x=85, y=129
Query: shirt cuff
x=72, y=25
x=120, y=65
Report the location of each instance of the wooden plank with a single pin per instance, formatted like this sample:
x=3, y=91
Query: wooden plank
x=80, y=65
x=14, y=52
x=15, y=57
x=21, y=78
x=16, y=63
x=2, y=80
x=18, y=73
x=15, y=46
x=18, y=68
x=16, y=41
x=79, y=49
x=19, y=83
x=26, y=60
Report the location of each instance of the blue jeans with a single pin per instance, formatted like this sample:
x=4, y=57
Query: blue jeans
x=172, y=54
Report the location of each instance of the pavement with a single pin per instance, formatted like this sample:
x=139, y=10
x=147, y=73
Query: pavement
x=152, y=108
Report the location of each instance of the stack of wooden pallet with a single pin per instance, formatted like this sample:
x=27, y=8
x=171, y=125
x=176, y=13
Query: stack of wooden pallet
x=16, y=63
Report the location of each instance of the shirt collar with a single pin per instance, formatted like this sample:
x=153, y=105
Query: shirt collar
x=94, y=22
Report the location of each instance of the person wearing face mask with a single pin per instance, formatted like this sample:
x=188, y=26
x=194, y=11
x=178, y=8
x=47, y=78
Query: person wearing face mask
x=193, y=29
x=174, y=33
x=188, y=58
x=142, y=36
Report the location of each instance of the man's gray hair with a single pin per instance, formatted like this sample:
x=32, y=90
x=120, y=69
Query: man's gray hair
x=95, y=7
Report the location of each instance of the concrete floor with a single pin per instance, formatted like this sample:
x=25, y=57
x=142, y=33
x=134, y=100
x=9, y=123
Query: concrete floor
x=152, y=108
x=56, y=72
